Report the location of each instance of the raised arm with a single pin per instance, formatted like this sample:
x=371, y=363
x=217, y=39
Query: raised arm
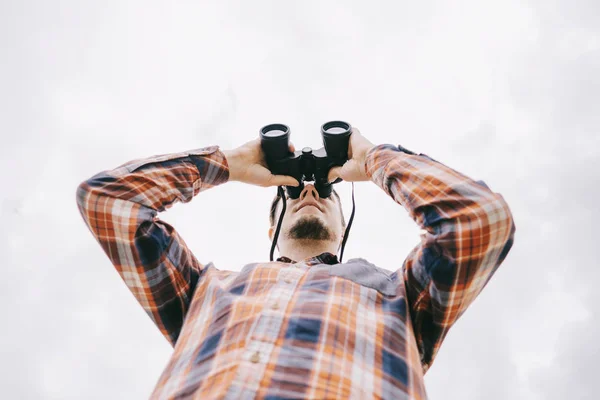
x=468, y=231
x=120, y=208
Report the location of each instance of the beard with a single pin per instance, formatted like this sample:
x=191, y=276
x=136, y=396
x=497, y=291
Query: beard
x=309, y=227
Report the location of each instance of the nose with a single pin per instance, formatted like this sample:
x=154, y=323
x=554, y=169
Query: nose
x=309, y=190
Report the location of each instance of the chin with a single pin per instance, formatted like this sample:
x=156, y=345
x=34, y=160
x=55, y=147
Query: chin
x=311, y=227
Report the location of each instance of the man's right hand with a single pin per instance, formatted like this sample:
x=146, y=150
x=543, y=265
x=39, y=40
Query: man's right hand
x=247, y=164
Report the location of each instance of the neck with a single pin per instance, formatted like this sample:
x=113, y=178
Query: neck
x=301, y=249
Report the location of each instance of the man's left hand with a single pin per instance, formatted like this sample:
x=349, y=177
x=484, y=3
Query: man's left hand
x=353, y=170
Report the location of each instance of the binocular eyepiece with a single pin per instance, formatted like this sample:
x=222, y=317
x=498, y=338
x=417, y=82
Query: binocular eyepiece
x=307, y=164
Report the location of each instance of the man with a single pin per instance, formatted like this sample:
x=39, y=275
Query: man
x=305, y=326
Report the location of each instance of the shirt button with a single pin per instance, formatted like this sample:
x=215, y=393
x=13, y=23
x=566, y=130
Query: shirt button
x=255, y=357
x=287, y=280
x=275, y=306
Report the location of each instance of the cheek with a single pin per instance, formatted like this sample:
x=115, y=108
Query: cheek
x=332, y=220
x=337, y=223
x=338, y=220
x=287, y=219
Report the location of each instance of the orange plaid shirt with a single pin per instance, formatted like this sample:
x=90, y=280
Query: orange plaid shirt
x=315, y=328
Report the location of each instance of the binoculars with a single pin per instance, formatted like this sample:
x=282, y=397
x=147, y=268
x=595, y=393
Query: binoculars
x=307, y=164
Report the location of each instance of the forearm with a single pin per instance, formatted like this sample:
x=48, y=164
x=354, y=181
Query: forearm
x=432, y=193
x=235, y=163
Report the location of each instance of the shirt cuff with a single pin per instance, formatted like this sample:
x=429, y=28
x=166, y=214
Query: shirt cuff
x=212, y=165
x=378, y=158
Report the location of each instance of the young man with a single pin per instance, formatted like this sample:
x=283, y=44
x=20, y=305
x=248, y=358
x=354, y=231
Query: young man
x=305, y=326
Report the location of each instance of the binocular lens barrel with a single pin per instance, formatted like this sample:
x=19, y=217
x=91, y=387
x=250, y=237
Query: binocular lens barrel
x=274, y=133
x=336, y=135
x=275, y=139
x=274, y=130
x=335, y=128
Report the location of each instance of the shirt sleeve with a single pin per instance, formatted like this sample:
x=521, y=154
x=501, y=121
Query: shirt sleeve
x=120, y=208
x=467, y=232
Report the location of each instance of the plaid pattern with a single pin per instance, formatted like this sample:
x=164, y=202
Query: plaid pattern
x=290, y=329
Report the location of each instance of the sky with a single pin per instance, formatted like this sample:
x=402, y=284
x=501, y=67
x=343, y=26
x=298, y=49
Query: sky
x=503, y=91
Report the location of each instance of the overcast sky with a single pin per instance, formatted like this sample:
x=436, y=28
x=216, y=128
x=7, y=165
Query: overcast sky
x=503, y=91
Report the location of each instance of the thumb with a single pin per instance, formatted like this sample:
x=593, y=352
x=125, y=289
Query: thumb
x=283, y=180
x=334, y=173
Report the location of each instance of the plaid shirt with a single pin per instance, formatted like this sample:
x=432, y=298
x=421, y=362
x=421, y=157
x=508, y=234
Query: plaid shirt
x=310, y=329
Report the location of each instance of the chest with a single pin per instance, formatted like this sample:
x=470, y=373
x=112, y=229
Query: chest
x=350, y=294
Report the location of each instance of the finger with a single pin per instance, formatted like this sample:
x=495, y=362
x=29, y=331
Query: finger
x=355, y=130
x=283, y=180
x=334, y=173
x=292, y=147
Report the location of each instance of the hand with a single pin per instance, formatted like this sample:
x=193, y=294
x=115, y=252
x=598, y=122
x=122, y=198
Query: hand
x=353, y=170
x=247, y=164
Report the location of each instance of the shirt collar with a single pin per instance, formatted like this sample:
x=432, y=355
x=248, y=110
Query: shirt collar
x=323, y=258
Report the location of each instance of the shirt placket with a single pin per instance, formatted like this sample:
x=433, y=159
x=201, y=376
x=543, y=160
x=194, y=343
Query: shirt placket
x=264, y=333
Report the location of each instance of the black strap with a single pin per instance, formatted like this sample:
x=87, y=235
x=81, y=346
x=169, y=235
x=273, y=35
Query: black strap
x=349, y=225
x=280, y=193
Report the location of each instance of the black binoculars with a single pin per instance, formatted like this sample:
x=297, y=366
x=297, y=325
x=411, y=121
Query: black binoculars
x=307, y=164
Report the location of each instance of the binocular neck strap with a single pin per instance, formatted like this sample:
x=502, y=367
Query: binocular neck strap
x=281, y=193
x=349, y=225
